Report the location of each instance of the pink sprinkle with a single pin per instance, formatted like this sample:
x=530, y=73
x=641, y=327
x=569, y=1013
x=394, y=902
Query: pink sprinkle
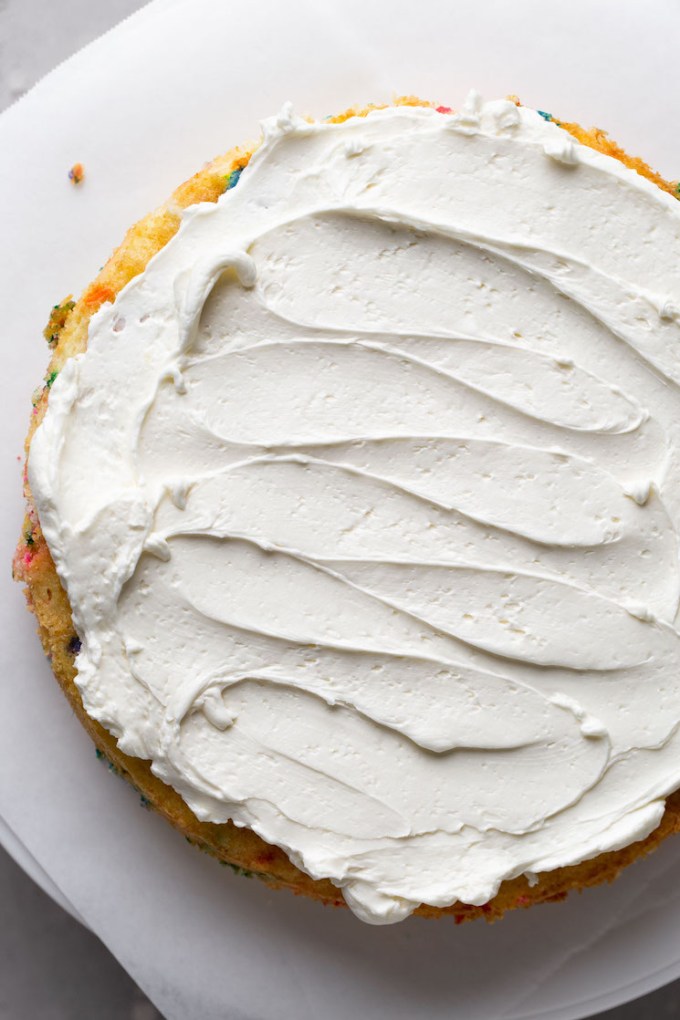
x=444, y=109
x=28, y=556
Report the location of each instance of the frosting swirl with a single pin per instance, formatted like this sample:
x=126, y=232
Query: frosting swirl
x=365, y=497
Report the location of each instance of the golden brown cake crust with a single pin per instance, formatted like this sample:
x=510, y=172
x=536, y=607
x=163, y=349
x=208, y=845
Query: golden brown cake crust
x=66, y=333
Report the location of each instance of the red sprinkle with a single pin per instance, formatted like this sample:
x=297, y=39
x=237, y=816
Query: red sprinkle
x=444, y=109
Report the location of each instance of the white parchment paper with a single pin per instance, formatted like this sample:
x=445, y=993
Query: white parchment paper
x=142, y=108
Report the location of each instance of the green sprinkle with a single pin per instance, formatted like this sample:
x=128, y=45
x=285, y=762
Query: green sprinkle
x=544, y=115
x=238, y=871
x=109, y=764
x=28, y=538
x=50, y=379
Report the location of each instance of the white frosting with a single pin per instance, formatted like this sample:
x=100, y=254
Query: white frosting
x=365, y=498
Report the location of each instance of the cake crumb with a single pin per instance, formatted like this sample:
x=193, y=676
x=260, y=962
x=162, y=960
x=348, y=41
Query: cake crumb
x=76, y=173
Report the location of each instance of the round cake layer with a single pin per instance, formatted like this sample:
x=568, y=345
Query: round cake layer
x=363, y=500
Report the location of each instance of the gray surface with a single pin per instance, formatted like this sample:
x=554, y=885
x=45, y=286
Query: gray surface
x=51, y=968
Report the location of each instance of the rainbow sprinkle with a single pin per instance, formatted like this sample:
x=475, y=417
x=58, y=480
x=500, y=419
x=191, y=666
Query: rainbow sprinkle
x=232, y=179
x=57, y=321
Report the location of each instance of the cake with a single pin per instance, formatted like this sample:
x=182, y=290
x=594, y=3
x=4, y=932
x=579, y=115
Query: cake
x=352, y=508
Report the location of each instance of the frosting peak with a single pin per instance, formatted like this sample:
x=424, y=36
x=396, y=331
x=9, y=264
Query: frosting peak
x=365, y=497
